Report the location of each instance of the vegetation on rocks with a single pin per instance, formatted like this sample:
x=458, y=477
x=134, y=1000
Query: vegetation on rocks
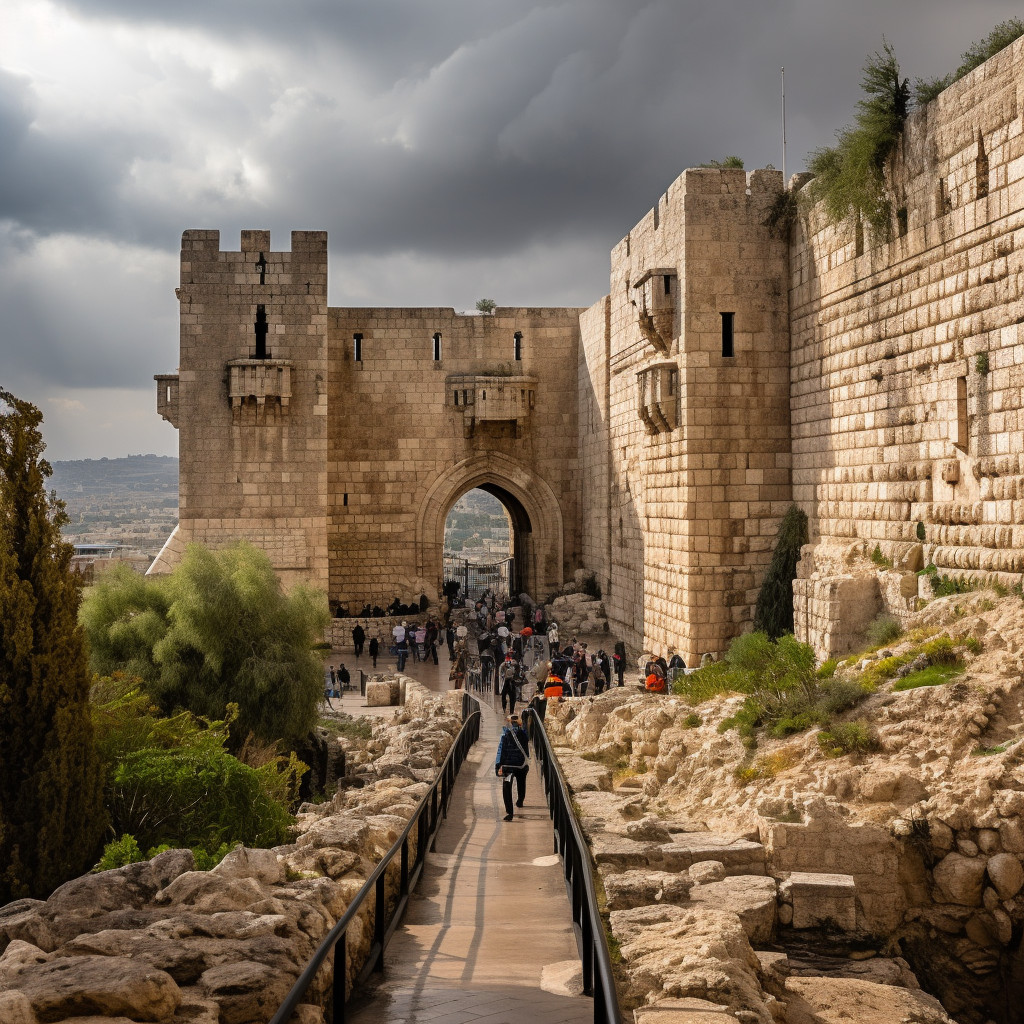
x=219, y=630
x=785, y=692
x=883, y=630
x=51, y=809
x=171, y=782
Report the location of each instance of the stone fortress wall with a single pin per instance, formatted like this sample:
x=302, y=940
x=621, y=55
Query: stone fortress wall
x=657, y=437
x=907, y=364
x=691, y=360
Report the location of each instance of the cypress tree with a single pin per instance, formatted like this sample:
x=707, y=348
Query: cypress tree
x=51, y=785
x=774, y=612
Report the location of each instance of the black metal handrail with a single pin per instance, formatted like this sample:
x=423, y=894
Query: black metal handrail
x=570, y=845
x=426, y=819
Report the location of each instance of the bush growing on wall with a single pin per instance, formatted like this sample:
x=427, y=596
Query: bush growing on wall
x=218, y=630
x=773, y=614
x=850, y=176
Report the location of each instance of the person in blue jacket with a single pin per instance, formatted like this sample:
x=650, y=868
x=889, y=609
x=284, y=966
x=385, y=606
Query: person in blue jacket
x=510, y=763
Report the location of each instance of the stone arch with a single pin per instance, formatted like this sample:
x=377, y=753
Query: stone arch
x=536, y=516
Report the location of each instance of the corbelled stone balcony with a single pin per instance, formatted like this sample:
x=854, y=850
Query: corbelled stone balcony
x=491, y=398
x=259, y=381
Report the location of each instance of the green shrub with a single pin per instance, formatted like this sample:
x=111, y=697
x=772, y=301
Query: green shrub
x=934, y=675
x=773, y=614
x=827, y=669
x=120, y=852
x=981, y=363
x=784, y=691
x=733, y=162
x=196, y=798
x=882, y=561
x=782, y=214
x=945, y=586
x=693, y=721
x=921, y=532
x=941, y=651
x=846, y=738
x=884, y=630
x=216, y=631
x=849, y=177
x=998, y=39
x=351, y=728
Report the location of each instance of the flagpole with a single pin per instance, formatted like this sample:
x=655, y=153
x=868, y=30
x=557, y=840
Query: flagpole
x=784, y=128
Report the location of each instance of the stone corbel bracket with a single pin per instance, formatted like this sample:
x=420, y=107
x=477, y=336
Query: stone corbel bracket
x=259, y=381
x=656, y=308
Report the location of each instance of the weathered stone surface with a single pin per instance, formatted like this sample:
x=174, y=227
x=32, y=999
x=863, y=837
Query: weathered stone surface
x=960, y=879
x=171, y=863
x=1006, y=874
x=15, y=1008
x=261, y=865
x=683, y=1011
x=643, y=888
x=822, y=900
x=647, y=830
x=105, y=986
x=246, y=991
x=690, y=951
x=206, y=892
x=582, y=775
x=751, y=897
x=842, y=1000
x=564, y=978
x=739, y=856
x=707, y=871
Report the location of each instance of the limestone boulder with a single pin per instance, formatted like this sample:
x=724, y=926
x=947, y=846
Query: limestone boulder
x=842, y=1000
x=960, y=879
x=103, y=986
x=683, y=1011
x=705, y=871
x=582, y=775
x=341, y=832
x=15, y=1008
x=208, y=893
x=688, y=952
x=644, y=888
x=246, y=991
x=752, y=898
x=168, y=865
x=1006, y=874
x=648, y=829
x=25, y=920
x=242, y=862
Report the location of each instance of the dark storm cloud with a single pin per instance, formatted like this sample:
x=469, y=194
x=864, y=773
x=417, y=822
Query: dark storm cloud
x=451, y=148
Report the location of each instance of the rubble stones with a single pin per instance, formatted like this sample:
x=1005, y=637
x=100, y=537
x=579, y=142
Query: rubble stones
x=960, y=878
x=752, y=898
x=1006, y=874
x=630, y=889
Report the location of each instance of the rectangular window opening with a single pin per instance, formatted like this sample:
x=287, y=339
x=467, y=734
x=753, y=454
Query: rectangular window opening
x=517, y=340
x=859, y=237
x=357, y=347
x=456, y=398
x=728, y=347
x=261, y=331
x=962, y=426
x=668, y=284
x=465, y=397
x=901, y=221
x=344, y=499
x=437, y=347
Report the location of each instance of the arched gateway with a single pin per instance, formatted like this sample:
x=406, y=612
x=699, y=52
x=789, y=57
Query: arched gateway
x=532, y=505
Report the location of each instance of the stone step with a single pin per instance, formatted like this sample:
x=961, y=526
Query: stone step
x=739, y=856
x=821, y=900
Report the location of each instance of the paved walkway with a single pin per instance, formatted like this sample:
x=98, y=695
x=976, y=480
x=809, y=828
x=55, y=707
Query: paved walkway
x=489, y=912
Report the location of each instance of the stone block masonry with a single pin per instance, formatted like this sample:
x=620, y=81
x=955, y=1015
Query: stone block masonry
x=657, y=437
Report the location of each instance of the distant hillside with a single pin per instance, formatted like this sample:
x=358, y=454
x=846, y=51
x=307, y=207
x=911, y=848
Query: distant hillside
x=153, y=474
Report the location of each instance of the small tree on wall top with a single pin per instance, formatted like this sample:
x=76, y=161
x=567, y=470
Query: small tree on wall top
x=774, y=612
x=51, y=786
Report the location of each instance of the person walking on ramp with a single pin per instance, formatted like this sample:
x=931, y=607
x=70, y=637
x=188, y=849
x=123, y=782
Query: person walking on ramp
x=513, y=753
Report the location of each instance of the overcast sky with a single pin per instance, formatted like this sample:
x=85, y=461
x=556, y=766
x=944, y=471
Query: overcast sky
x=453, y=149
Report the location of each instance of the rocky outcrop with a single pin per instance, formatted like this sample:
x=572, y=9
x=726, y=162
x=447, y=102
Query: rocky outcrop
x=159, y=941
